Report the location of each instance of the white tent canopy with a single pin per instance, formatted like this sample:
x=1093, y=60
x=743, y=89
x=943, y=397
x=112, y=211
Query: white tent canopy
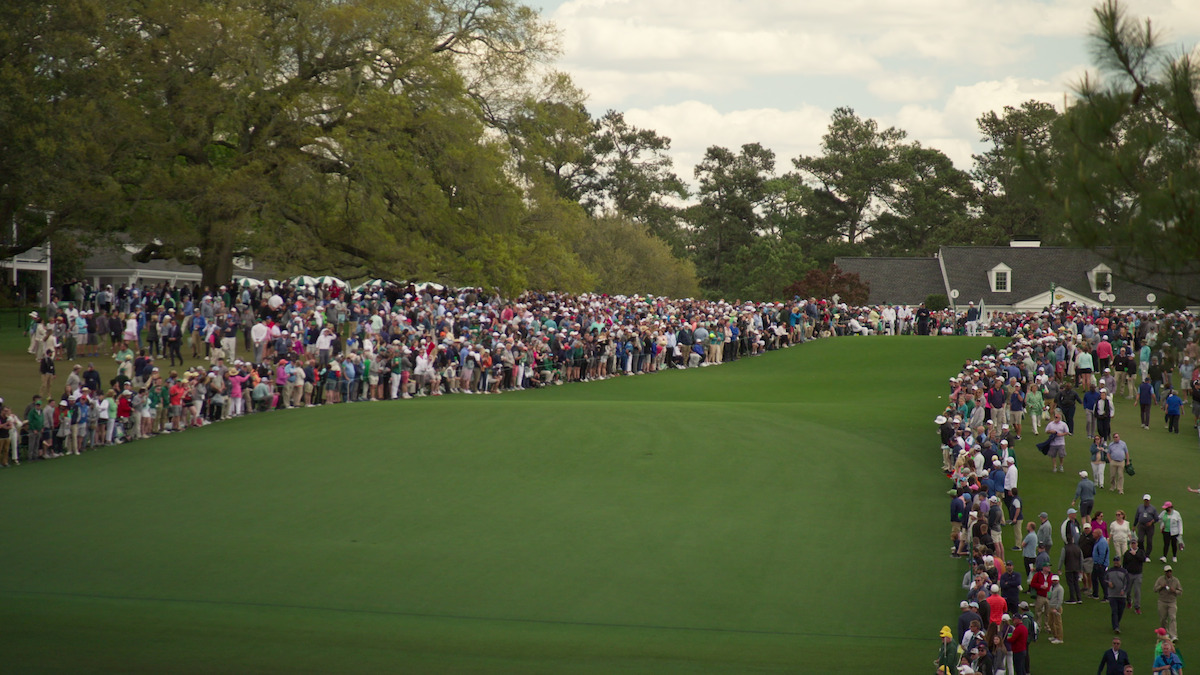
x=246, y=282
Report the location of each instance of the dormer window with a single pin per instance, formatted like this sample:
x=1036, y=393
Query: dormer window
x=1000, y=277
x=1101, y=279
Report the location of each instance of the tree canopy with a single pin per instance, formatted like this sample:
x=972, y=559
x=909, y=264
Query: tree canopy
x=432, y=139
x=1126, y=175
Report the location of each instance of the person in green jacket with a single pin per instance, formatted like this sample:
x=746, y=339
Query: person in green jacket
x=948, y=653
x=35, y=423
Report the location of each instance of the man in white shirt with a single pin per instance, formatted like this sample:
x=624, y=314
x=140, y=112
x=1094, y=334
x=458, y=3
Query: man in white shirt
x=1010, y=495
x=258, y=334
x=1058, y=447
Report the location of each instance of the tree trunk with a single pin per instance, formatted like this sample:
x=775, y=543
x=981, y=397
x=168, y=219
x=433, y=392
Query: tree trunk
x=216, y=262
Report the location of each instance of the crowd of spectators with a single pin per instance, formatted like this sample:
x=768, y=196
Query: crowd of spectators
x=284, y=346
x=1017, y=594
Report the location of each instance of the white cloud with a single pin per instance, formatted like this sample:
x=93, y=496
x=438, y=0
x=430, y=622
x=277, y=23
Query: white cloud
x=952, y=128
x=905, y=88
x=694, y=126
x=966, y=104
x=920, y=121
x=854, y=38
x=714, y=72
x=610, y=88
x=764, y=36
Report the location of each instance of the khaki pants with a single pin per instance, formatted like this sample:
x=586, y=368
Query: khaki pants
x=47, y=383
x=1116, y=475
x=1056, y=623
x=1119, y=547
x=1166, y=617
x=1041, y=609
x=4, y=451
x=999, y=417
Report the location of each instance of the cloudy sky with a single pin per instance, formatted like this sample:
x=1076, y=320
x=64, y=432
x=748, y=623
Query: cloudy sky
x=728, y=72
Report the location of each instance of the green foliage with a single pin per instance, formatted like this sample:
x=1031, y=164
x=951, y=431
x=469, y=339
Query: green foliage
x=727, y=218
x=1172, y=303
x=632, y=177
x=351, y=136
x=764, y=269
x=937, y=302
x=627, y=259
x=62, y=116
x=870, y=192
x=927, y=206
x=555, y=230
x=858, y=168
x=1013, y=201
x=1127, y=176
x=550, y=136
x=68, y=258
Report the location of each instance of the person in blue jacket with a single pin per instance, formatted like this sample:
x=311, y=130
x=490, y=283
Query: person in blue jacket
x=1146, y=398
x=1089, y=407
x=1099, y=565
x=1173, y=405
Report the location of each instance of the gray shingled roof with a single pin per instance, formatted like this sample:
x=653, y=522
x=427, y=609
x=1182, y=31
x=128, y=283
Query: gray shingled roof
x=903, y=281
x=1033, y=272
x=116, y=257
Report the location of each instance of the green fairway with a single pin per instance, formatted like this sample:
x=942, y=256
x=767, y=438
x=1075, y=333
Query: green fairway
x=779, y=513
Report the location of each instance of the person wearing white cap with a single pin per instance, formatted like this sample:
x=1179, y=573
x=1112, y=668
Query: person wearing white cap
x=36, y=333
x=1085, y=494
x=1172, y=532
x=945, y=433
x=1016, y=407
x=965, y=618
x=1144, y=520
x=1058, y=444
x=1099, y=456
x=996, y=604
x=1035, y=404
x=1168, y=589
x=1103, y=413
x=972, y=319
x=1118, y=457
x=1054, y=600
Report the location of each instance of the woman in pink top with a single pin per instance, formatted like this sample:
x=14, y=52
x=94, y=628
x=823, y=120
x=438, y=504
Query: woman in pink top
x=1098, y=524
x=281, y=380
x=235, y=392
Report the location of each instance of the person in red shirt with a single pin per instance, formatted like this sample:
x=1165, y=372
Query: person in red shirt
x=1018, y=640
x=175, y=398
x=997, y=606
x=1040, y=583
x=1104, y=353
x=125, y=408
